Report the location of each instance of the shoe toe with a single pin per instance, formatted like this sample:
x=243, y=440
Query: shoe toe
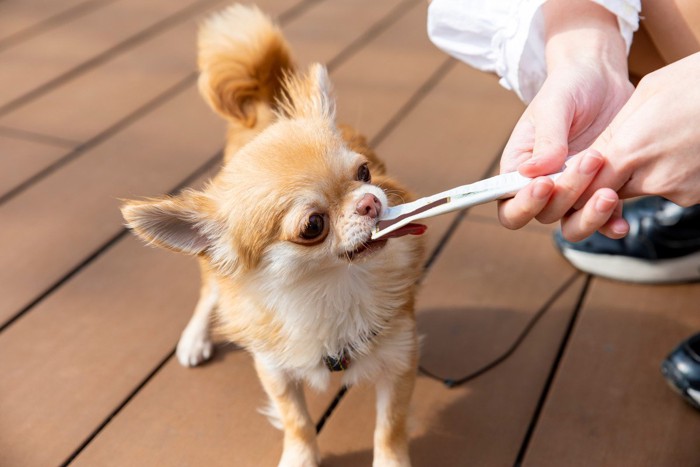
x=595, y=244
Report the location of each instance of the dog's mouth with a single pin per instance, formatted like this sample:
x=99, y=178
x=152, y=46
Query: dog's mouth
x=408, y=229
x=365, y=249
x=368, y=247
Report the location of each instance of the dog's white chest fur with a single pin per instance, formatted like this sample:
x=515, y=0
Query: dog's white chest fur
x=332, y=311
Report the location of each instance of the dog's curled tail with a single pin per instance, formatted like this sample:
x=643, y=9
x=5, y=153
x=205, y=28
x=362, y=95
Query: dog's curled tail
x=243, y=59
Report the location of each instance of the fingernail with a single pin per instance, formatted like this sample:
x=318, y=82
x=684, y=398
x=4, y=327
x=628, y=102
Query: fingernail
x=604, y=204
x=620, y=227
x=542, y=189
x=590, y=164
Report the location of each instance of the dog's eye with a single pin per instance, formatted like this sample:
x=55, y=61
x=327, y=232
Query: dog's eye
x=316, y=228
x=363, y=174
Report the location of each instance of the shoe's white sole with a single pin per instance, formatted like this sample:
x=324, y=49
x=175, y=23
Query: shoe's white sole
x=628, y=269
x=694, y=394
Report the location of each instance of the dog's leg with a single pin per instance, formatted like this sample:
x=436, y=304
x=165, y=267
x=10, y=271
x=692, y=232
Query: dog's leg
x=300, y=447
x=195, y=344
x=391, y=433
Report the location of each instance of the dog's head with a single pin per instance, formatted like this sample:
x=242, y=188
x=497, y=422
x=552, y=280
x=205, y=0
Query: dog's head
x=296, y=195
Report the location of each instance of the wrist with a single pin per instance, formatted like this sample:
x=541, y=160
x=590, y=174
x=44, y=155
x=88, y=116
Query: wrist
x=580, y=30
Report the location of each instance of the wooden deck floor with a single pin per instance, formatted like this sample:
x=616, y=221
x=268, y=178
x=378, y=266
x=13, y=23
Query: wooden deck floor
x=98, y=102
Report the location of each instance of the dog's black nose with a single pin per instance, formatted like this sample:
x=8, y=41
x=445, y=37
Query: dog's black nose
x=369, y=205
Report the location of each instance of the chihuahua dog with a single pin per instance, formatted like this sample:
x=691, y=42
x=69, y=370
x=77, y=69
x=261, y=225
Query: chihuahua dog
x=283, y=238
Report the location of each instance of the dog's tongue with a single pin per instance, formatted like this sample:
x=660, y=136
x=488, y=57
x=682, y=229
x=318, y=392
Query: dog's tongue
x=408, y=229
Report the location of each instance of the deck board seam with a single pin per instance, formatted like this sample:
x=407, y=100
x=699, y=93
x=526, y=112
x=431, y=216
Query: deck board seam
x=102, y=249
x=566, y=338
x=372, y=33
x=134, y=40
x=413, y=101
x=118, y=409
x=150, y=106
x=51, y=22
x=296, y=10
x=35, y=137
x=522, y=335
x=457, y=220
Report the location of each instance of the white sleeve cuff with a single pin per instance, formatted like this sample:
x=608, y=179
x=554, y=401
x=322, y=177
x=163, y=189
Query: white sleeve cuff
x=507, y=36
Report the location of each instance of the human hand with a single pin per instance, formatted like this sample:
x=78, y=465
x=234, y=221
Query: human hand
x=586, y=85
x=652, y=147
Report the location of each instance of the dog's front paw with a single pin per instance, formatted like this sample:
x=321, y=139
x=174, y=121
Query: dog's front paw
x=391, y=462
x=300, y=455
x=194, y=348
x=391, y=458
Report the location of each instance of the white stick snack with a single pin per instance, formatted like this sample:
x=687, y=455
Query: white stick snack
x=499, y=187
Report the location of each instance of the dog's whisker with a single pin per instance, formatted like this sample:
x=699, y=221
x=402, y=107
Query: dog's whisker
x=390, y=192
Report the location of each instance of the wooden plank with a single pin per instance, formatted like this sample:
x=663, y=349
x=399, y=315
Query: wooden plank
x=78, y=354
x=385, y=72
x=71, y=363
x=39, y=60
x=474, y=303
x=331, y=27
x=192, y=417
x=21, y=158
x=609, y=404
x=54, y=226
x=92, y=102
x=20, y=19
x=95, y=101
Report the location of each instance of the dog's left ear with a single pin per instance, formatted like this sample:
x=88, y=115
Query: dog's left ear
x=184, y=223
x=308, y=95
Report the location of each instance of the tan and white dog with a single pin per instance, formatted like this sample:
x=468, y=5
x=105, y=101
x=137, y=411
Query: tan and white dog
x=282, y=235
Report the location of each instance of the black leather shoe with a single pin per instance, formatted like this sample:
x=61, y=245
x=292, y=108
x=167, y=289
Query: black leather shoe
x=663, y=245
x=682, y=370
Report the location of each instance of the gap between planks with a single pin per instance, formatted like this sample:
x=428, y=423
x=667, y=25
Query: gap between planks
x=136, y=39
x=52, y=22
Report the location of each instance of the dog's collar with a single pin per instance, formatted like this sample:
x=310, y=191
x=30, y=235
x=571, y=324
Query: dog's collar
x=342, y=362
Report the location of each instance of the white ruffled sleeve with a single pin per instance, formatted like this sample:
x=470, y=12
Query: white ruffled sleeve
x=506, y=37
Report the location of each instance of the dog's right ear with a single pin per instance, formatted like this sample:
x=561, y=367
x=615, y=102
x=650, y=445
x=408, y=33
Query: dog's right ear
x=308, y=95
x=184, y=223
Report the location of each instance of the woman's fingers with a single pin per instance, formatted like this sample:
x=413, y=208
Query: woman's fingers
x=549, y=201
x=617, y=226
x=603, y=212
x=570, y=185
x=527, y=203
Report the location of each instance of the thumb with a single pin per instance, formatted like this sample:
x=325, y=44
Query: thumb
x=551, y=145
